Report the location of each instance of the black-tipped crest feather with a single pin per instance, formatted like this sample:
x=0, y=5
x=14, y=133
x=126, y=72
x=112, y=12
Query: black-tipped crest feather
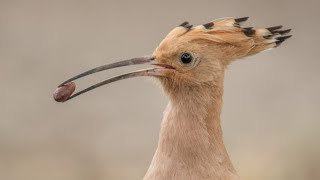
x=272, y=29
x=208, y=25
x=239, y=20
x=249, y=31
x=184, y=24
x=283, y=31
x=282, y=39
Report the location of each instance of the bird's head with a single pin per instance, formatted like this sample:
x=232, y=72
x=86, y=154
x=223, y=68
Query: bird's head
x=194, y=56
x=189, y=59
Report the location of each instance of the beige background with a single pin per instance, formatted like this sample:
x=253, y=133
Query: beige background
x=271, y=113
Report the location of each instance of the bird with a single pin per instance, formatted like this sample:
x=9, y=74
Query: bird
x=190, y=63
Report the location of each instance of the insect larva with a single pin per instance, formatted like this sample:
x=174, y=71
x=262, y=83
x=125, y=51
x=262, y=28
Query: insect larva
x=63, y=92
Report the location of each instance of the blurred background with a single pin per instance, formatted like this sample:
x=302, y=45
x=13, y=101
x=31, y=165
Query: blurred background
x=271, y=112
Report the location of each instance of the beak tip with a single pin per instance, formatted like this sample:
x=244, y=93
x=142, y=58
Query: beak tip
x=63, y=92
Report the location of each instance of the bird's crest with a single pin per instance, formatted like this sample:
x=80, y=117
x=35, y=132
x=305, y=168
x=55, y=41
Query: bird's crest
x=246, y=41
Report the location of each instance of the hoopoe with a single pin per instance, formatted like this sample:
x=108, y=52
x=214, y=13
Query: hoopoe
x=190, y=64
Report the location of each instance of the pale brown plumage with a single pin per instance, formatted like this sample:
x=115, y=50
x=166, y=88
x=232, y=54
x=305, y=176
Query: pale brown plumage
x=191, y=64
x=191, y=143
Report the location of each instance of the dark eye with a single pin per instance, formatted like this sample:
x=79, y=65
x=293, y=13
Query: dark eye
x=186, y=58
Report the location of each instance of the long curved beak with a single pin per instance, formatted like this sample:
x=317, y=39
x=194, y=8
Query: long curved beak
x=63, y=92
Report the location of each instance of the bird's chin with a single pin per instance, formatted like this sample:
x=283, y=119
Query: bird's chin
x=172, y=80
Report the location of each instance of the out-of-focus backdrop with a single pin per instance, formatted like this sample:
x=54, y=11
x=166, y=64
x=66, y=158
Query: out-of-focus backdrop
x=271, y=112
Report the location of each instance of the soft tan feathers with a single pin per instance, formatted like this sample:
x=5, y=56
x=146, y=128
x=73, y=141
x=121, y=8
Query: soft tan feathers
x=190, y=142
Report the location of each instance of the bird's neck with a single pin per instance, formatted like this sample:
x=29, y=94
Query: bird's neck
x=191, y=143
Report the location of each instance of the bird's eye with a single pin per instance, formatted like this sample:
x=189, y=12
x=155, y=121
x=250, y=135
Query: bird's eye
x=186, y=58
